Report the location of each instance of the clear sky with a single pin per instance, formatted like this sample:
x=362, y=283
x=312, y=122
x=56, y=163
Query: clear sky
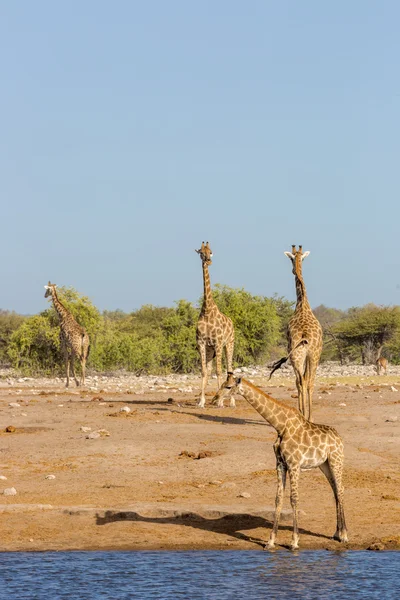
x=131, y=131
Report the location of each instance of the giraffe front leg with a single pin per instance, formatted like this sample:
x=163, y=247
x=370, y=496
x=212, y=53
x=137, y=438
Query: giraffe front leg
x=294, y=474
x=202, y=350
x=66, y=359
x=220, y=403
x=229, y=362
x=281, y=473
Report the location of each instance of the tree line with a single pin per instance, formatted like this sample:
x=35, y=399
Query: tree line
x=158, y=340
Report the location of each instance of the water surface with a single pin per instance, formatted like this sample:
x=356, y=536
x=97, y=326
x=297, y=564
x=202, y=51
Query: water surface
x=215, y=575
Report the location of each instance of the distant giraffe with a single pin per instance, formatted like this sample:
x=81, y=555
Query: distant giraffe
x=214, y=330
x=304, y=338
x=300, y=445
x=382, y=365
x=74, y=338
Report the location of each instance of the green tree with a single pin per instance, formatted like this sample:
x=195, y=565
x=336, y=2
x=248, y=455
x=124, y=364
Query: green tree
x=366, y=330
x=257, y=324
x=9, y=322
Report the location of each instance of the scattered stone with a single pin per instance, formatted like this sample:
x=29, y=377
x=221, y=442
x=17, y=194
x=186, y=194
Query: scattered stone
x=342, y=404
x=24, y=415
x=125, y=409
x=10, y=429
x=60, y=405
x=85, y=429
x=14, y=405
x=244, y=495
x=376, y=547
x=391, y=387
x=103, y=432
x=391, y=419
x=10, y=492
x=160, y=482
x=50, y=476
x=215, y=482
x=97, y=398
x=93, y=436
x=3, y=478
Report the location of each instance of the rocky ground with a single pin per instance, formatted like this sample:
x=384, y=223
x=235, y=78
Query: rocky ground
x=132, y=462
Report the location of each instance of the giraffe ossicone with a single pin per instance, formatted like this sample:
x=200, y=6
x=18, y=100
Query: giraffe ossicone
x=300, y=445
x=215, y=331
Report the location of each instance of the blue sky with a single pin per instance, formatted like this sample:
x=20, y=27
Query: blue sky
x=131, y=131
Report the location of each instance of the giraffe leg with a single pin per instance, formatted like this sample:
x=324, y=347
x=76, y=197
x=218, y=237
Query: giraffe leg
x=83, y=369
x=281, y=473
x=206, y=356
x=300, y=390
x=229, y=362
x=72, y=360
x=66, y=359
x=334, y=476
x=220, y=403
x=310, y=371
x=294, y=474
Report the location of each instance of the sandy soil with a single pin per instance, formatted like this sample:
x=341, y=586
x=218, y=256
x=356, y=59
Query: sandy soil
x=143, y=486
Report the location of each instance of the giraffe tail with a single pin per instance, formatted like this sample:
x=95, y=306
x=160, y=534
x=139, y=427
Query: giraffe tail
x=277, y=365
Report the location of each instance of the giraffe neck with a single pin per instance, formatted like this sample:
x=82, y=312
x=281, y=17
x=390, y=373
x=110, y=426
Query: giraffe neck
x=208, y=300
x=62, y=312
x=301, y=293
x=273, y=411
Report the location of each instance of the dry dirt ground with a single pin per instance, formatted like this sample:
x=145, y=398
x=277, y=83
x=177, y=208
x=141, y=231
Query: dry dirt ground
x=170, y=475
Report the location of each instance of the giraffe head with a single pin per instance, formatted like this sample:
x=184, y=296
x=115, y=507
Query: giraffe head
x=297, y=257
x=49, y=287
x=205, y=253
x=227, y=389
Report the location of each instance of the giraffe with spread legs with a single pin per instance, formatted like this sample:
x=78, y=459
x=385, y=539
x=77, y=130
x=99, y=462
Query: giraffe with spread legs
x=214, y=331
x=304, y=338
x=74, y=338
x=300, y=445
x=381, y=365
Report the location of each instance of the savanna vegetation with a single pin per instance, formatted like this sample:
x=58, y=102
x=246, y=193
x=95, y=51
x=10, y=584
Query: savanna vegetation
x=159, y=340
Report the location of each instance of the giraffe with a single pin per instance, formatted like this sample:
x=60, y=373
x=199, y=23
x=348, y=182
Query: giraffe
x=381, y=365
x=300, y=445
x=74, y=338
x=304, y=338
x=214, y=331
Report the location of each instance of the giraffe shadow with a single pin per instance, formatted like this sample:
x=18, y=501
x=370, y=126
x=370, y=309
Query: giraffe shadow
x=231, y=525
x=227, y=420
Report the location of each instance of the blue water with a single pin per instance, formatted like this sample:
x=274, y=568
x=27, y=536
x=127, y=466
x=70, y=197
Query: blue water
x=196, y=575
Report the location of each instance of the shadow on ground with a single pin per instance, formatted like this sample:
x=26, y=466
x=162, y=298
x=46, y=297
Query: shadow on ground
x=231, y=525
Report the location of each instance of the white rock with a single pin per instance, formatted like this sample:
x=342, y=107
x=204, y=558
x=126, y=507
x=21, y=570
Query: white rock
x=391, y=419
x=24, y=415
x=244, y=495
x=50, y=476
x=393, y=388
x=3, y=478
x=14, y=405
x=93, y=436
x=342, y=404
x=125, y=409
x=10, y=492
x=85, y=429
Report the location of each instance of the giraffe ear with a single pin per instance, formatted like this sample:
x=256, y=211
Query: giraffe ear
x=289, y=255
x=46, y=287
x=305, y=254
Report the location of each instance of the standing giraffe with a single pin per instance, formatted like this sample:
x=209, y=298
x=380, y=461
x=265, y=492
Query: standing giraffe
x=381, y=365
x=214, y=330
x=74, y=338
x=300, y=445
x=304, y=338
